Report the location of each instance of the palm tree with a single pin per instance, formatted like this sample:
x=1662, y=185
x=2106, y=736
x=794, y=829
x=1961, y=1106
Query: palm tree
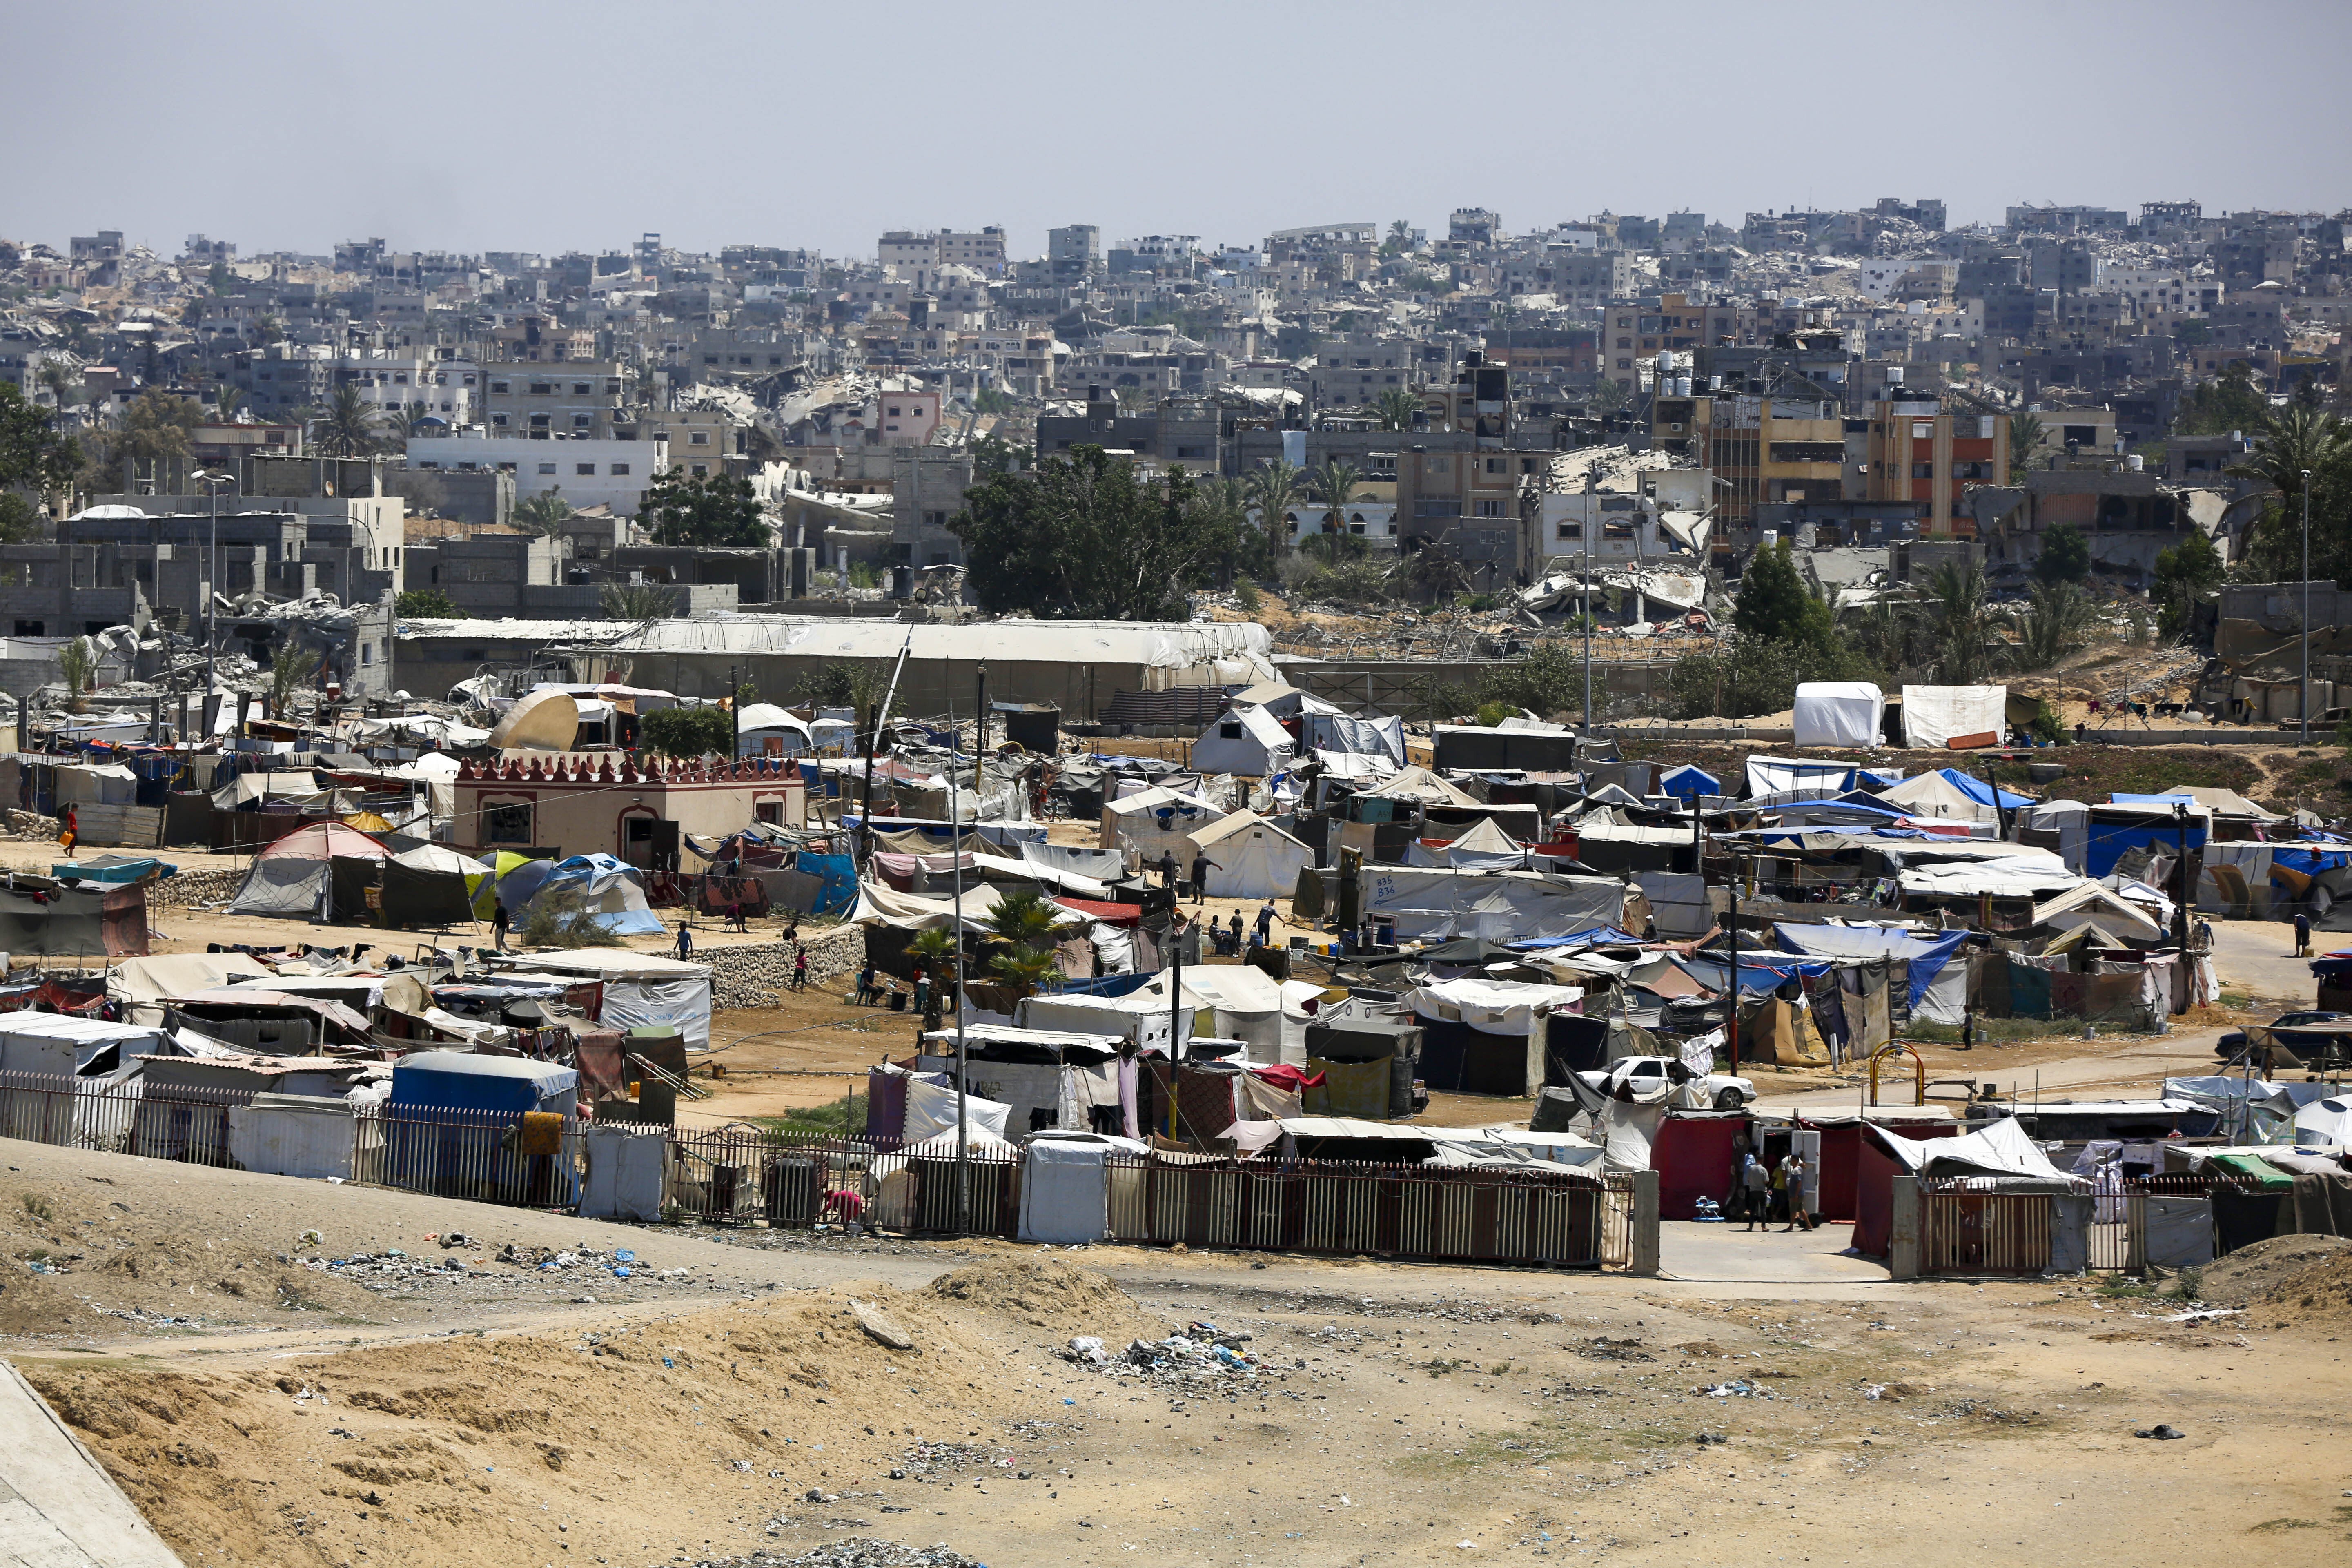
x=289, y=668
x=1964, y=627
x=1023, y=918
x=347, y=428
x=2025, y=432
x=1274, y=490
x=1395, y=407
x=2293, y=439
x=77, y=663
x=2053, y=625
x=638, y=601
x=1400, y=234
x=61, y=382
x=545, y=513
x=1334, y=486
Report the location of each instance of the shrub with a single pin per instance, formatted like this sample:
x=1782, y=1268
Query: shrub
x=556, y=918
x=689, y=731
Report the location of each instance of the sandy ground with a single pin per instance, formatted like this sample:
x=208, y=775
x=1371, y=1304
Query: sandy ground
x=1397, y=1412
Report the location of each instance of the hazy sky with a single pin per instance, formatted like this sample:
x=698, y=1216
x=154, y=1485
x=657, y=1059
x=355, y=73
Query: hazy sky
x=538, y=127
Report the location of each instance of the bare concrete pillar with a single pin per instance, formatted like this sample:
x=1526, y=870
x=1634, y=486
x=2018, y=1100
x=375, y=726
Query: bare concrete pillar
x=1644, y=1252
x=1902, y=1230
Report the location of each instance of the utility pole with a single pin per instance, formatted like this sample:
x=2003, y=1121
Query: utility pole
x=1731, y=1017
x=2305, y=705
x=964, y=1074
x=734, y=718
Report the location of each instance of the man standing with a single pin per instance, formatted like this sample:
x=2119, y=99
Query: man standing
x=1756, y=1187
x=1790, y=1178
x=498, y=921
x=1167, y=868
x=1201, y=866
x=1265, y=923
x=685, y=939
x=2302, y=933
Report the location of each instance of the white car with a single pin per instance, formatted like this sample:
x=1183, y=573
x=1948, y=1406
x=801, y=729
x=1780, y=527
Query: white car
x=1717, y=1091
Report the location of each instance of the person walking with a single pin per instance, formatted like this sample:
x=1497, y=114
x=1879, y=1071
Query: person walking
x=685, y=939
x=1166, y=866
x=1968, y=1026
x=1755, y=1190
x=1265, y=923
x=2302, y=933
x=72, y=834
x=1790, y=1178
x=1237, y=933
x=499, y=921
x=800, y=969
x=2205, y=936
x=1201, y=866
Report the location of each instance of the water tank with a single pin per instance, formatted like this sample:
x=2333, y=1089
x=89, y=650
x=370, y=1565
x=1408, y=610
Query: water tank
x=902, y=583
x=1682, y=386
x=1715, y=383
x=2136, y=462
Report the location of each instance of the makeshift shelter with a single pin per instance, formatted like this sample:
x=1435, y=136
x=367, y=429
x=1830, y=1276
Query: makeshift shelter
x=625, y=1172
x=1797, y=778
x=1838, y=1157
x=1155, y=821
x=1844, y=714
x=139, y=986
x=1368, y=1068
x=426, y=868
x=316, y=1137
x=1253, y=857
x=1487, y=1036
x=1249, y=741
x=1380, y=739
x=2063, y=827
x=2167, y=826
x=1998, y=1151
x=1484, y=847
x=1047, y=1079
x=1948, y=795
x=1687, y=782
x=298, y=875
x=1420, y=904
x=610, y=891
x=1938, y=987
x=99, y=919
x=1935, y=716
x=641, y=990
x=461, y=1125
x=1066, y=1187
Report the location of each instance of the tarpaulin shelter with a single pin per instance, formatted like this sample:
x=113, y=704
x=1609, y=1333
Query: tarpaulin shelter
x=1839, y=713
x=1935, y=716
x=1253, y=857
x=439, y=861
x=461, y=1123
x=1948, y=795
x=1249, y=741
x=140, y=986
x=1839, y=1155
x=2122, y=825
x=1484, y=847
x=1155, y=821
x=1048, y=1078
x=1381, y=739
x=421, y=888
x=641, y=990
x=610, y=890
x=1797, y=778
x=104, y=919
x=1487, y=1036
x=1938, y=987
x=1999, y=1148
x=296, y=875
x=1498, y=907
x=1687, y=782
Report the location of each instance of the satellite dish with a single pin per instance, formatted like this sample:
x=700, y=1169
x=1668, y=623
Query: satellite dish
x=541, y=722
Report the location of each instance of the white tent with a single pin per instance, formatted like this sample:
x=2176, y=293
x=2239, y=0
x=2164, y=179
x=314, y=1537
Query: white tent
x=2070, y=820
x=1251, y=858
x=1485, y=848
x=1931, y=795
x=1155, y=820
x=641, y=989
x=1933, y=716
x=1244, y=740
x=2325, y=1123
x=1382, y=738
x=1797, y=778
x=1842, y=713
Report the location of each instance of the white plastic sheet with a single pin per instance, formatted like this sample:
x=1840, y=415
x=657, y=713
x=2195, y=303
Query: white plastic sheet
x=1065, y=1192
x=1839, y=713
x=627, y=1172
x=1934, y=715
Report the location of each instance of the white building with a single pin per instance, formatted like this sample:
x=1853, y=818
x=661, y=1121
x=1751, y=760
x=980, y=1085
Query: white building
x=612, y=473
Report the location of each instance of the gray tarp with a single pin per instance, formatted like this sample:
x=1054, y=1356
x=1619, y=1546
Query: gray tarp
x=1447, y=903
x=2179, y=1232
x=288, y=885
x=2070, y=1233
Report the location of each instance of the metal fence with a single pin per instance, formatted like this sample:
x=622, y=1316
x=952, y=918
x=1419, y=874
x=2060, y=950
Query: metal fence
x=1970, y=1226
x=740, y=1175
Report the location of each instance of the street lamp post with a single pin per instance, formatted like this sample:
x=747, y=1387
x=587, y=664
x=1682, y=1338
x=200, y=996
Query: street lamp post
x=211, y=481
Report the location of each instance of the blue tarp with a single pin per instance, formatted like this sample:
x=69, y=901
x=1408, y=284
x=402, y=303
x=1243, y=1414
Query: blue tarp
x=2308, y=860
x=1104, y=985
x=1689, y=782
x=460, y=1081
x=1760, y=972
x=1602, y=936
x=451, y=1116
x=838, y=873
x=2104, y=843
x=1977, y=790
x=612, y=888
x=1927, y=954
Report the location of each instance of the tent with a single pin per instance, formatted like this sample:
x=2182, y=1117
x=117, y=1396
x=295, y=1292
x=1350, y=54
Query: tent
x=2070, y=820
x=1840, y=713
x=1155, y=820
x=458, y=1127
x=138, y=986
x=297, y=874
x=1251, y=858
x=1066, y=1187
x=1487, y=1036
x=1688, y=782
x=1935, y=716
x=641, y=989
x=1797, y=778
x=1940, y=987
x=1381, y=739
x=1948, y=795
x=611, y=890
x=1499, y=907
x=1484, y=847
x=1246, y=741
x=441, y=861
x=432, y=886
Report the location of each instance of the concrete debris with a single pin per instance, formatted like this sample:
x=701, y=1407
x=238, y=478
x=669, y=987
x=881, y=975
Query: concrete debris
x=856, y=1551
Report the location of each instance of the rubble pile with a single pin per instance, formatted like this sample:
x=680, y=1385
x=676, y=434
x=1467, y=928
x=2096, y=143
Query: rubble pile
x=854, y=1552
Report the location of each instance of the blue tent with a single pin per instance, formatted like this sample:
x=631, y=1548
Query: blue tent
x=451, y=1125
x=1689, y=782
x=2104, y=843
x=426, y=1081
x=611, y=890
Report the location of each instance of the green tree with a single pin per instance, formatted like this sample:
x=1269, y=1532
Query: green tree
x=1750, y=676
x=705, y=731
x=1395, y=407
x=2294, y=441
x=65, y=388
x=715, y=510
x=291, y=668
x=1274, y=489
x=78, y=667
x=994, y=455
x=2065, y=554
x=1774, y=603
x=2219, y=406
x=1334, y=486
x=34, y=454
x=2052, y=626
x=638, y=601
x=1087, y=538
x=2184, y=573
x=158, y=427
x=843, y=683
x=557, y=918
x=19, y=522
x=427, y=604
x=1608, y=396
x=1964, y=627
x=545, y=513
x=2026, y=432
x=347, y=428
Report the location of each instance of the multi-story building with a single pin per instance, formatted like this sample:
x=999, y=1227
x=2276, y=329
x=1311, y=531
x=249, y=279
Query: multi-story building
x=1919, y=452
x=980, y=250
x=1074, y=252
x=1786, y=446
x=577, y=400
x=589, y=472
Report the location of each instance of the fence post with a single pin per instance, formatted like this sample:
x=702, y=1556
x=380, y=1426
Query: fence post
x=1641, y=1248
x=1902, y=1230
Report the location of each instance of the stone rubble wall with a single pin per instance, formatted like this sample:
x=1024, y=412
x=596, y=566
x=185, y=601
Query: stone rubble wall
x=193, y=889
x=754, y=975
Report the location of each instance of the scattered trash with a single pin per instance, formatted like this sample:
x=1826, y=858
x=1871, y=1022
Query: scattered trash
x=2161, y=1433
x=1737, y=1388
x=2204, y=1314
